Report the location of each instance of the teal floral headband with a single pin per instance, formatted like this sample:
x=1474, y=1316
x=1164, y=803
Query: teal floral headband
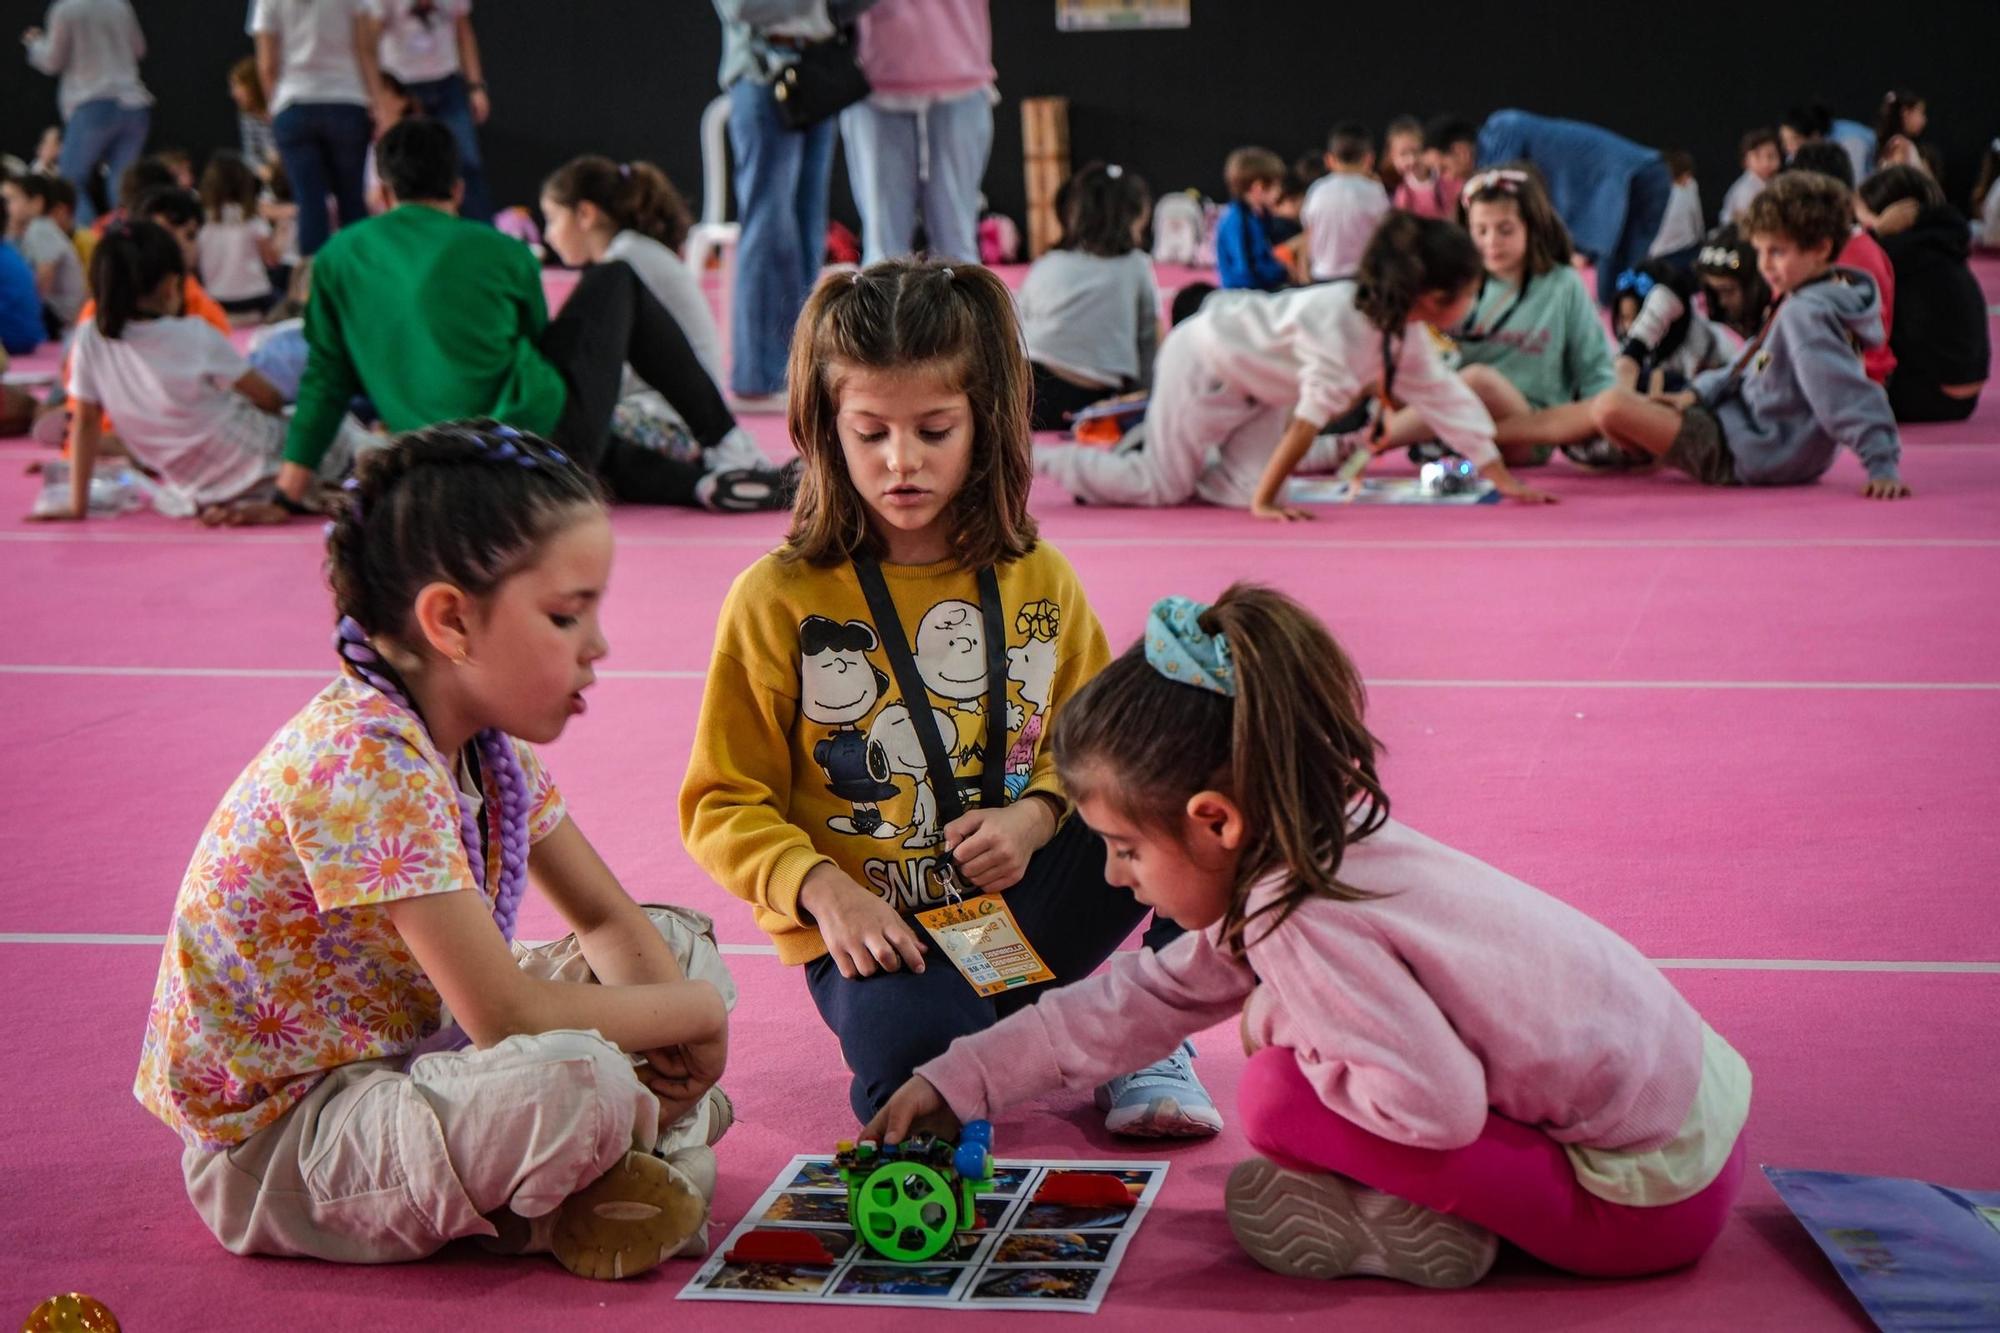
x=1181, y=650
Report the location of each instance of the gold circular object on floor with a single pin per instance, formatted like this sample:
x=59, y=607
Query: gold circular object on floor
x=71, y=1312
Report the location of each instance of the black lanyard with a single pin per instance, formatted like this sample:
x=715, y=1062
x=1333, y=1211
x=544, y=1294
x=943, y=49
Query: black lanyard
x=917, y=695
x=1481, y=335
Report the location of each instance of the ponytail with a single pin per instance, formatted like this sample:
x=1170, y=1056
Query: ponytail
x=130, y=262
x=1285, y=739
x=635, y=196
x=1407, y=257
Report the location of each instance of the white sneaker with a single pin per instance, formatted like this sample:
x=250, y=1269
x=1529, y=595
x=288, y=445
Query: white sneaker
x=1162, y=1101
x=760, y=405
x=737, y=449
x=1327, y=1226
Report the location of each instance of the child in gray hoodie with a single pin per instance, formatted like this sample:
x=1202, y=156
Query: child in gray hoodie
x=1798, y=391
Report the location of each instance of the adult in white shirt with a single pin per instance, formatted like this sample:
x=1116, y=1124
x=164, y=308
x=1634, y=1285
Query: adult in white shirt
x=429, y=47
x=93, y=48
x=317, y=62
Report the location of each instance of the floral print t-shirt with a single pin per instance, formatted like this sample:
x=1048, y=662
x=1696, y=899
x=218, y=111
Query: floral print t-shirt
x=281, y=963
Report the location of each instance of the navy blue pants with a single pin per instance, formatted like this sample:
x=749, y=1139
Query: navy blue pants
x=890, y=1023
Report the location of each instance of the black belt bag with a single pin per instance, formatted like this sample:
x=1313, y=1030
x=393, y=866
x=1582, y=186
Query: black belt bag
x=824, y=81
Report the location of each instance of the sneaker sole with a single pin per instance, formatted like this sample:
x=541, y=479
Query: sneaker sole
x=627, y=1220
x=1160, y=1118
x=1321, y=1226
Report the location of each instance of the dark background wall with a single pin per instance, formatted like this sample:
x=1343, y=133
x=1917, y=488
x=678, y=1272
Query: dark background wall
x=630, y=77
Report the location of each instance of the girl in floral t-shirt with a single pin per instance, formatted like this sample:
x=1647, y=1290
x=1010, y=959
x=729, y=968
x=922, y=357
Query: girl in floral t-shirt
x=360, y=1068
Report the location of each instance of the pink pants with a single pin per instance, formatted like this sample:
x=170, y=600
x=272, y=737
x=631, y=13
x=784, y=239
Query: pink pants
x=1513, y=1180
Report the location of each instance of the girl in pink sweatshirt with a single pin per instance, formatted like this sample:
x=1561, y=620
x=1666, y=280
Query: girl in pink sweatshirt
x=1443, y=1057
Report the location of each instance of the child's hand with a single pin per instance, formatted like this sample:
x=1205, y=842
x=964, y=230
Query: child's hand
x=1282, y=513
x=1250, y=1043
x=1886, y=488
x=680, y=1076
x=916, y=1106
x=863, y=934
x=1526, y=495
x=992, y=847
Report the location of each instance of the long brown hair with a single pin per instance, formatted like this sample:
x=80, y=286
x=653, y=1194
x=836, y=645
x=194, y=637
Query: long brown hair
x=1548, y=240
x=1291, y=749
x=906, y=314
x=636, y=196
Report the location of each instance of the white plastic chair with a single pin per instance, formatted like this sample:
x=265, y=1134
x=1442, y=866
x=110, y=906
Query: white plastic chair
x=714, y=234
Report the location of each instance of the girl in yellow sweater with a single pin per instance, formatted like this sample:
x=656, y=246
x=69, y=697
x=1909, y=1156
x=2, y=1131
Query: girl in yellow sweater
x=871, y=743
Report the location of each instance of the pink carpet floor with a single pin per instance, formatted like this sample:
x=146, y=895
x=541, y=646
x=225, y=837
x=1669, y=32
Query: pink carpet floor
x=1757, y=732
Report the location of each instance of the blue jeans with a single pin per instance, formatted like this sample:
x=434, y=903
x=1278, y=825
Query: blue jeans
x=1645, y=206
x=446, y=100
x=890, y=1023
x=324, y=146
x=898, y=159
x=101, y=133
x=781, y=183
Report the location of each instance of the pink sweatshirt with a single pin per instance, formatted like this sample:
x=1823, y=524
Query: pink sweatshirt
x=1462, y=989
x=1434, y=198
x=927, y=48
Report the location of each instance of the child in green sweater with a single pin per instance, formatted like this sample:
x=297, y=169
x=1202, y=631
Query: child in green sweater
x=435, y=318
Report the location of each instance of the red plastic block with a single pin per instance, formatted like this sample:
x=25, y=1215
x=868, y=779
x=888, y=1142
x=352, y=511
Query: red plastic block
x=778, y=1246
x=1084, y=1189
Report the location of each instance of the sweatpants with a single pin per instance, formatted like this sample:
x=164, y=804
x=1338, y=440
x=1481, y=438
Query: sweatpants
x=609, y=320
x=901, y=162
x=1203, y=439
x=379, y=1164
x=1513, y=1180
x=890, y=1023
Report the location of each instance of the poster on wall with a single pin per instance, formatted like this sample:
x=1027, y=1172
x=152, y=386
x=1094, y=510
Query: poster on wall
x=1098, y=15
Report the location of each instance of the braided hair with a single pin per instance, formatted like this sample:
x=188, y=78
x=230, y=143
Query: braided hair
x=469, y=503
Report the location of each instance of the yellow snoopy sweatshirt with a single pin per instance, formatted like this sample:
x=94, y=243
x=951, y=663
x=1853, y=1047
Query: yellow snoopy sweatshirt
x=805, y=752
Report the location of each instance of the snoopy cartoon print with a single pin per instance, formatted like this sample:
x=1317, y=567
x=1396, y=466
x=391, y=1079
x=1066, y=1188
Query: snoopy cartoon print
x=895, y=735
x=1031, y=665
x=838, y=686
x=951, y=657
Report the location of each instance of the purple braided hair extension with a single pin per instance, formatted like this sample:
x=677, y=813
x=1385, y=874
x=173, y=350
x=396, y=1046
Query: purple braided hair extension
x=499, y=765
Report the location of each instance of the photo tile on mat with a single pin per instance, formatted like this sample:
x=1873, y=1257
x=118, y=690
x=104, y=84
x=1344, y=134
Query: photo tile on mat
x=1065, y=1217
x=785, y=1279
x=1055, y=1247
x=990, y=1211
x=1009, y=1179
x=1041, y=1284
x=817, y=1176
x=828, y=1208
x=887, y=1279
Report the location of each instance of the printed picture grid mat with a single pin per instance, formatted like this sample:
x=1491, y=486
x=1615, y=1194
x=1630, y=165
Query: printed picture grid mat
x=1026, y=1256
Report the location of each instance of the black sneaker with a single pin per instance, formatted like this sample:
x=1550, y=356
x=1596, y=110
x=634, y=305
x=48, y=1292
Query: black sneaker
x=1601, y=455
x=746, y=490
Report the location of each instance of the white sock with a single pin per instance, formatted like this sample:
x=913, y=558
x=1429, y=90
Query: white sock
x=1662, y=306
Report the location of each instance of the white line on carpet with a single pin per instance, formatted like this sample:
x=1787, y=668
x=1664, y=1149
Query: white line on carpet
x=1380, y=682
x=1677, y=964
x=764, y=541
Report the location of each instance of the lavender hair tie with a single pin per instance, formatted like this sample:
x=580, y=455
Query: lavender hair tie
x=500, y=767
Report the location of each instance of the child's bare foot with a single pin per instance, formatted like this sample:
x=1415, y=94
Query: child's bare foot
x=628, y=1219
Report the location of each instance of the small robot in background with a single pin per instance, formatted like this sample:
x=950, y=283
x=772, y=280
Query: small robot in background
x=908, y=1200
